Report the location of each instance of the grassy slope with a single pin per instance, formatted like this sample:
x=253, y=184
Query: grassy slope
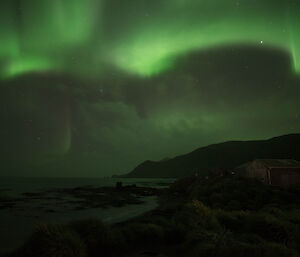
x=222, y=216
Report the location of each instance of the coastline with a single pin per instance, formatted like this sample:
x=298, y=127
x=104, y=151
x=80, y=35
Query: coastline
x=20, y=215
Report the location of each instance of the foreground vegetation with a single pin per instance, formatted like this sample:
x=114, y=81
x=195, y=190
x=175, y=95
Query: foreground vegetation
x=222, y=216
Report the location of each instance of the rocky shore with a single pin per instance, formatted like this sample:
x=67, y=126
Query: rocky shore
x=79, y=198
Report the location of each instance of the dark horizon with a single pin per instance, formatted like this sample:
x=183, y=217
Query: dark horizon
x=157, y=161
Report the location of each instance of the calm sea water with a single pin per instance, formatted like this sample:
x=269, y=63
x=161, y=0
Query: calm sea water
x=17, y=224
x=15, y=186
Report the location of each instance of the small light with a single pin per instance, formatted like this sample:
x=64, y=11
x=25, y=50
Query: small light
x=261, y=42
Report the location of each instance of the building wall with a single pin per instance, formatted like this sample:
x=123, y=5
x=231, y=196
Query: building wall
x=274, y=176
x=285, y=176
x=258, y=171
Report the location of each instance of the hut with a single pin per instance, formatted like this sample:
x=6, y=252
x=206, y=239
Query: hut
x=278, y=172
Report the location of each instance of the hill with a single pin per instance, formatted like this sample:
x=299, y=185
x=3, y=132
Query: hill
x=223, y=155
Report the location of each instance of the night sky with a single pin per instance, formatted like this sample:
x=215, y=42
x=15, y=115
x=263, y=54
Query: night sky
x=93, y=88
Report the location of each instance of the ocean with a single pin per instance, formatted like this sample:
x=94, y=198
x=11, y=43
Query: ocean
x=14, y=186
x=18, y=223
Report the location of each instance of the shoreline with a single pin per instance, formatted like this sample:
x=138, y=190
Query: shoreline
x=109, y=204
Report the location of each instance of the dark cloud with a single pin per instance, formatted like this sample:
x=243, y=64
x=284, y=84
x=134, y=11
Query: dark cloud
x=233, y=92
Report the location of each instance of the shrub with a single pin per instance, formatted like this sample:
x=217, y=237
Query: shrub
x=250, y=239
x=242, y=249
x=294, y=237
x=203, y=249
x=278, y=250
x=97, y=237
x=267, y=226
x=175, y=235
x=143, y=234
x=233, y=221
x=195, y=215
x=216, y=199
x=51, y=240
x=181, y=186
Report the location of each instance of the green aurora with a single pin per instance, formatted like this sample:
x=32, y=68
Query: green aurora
x=93, y=87
x=143, y=38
